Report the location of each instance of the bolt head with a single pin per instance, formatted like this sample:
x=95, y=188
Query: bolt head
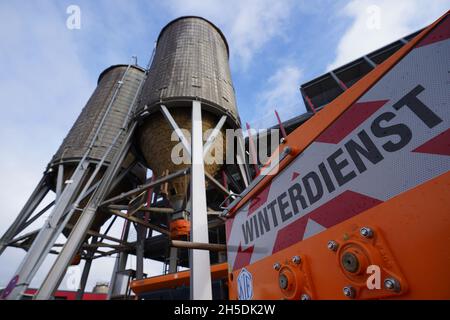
x=305, y=297
x=349, y=292
x=333, y=245
x=296, y=259
x=392, y=284
x=277, y=266
x=283, y=140
x=283, y=281
x=366, y=232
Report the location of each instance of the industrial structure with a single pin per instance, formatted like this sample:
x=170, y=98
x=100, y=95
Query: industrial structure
x=305, y=225
x=127, y=126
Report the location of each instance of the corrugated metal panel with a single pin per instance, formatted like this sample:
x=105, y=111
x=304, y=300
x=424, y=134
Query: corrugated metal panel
x=191, y=61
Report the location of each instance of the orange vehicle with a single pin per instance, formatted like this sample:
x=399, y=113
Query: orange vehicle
x=358, y=204
x=355, y=203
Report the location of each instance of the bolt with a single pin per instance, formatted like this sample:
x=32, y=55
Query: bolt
x=283, y=140
x=366, y=232
x=392, y=284
x=277, y=266
x=283, y=281
x=296, y=259
x=333, y=245
x=349, y=292
x=305, y=297
x=350, y=262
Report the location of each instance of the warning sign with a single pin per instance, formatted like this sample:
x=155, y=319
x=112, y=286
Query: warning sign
x=391, y=140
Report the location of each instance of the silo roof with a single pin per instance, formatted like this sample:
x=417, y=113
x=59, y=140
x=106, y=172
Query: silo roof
x=117, y=66
x=201, y=18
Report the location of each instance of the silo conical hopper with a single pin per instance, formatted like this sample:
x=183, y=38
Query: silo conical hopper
x=190, y=63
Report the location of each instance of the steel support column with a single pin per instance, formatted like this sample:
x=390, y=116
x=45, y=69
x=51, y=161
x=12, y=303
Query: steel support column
x=35, y=199
x=40, y=247
x=173, y=260
x=86, y=270
x=115, y=285
x=59, y=181
x=199, y=261
x=75, y=239
x=140, y=246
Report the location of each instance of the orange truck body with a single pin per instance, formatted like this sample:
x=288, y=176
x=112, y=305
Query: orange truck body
x=174, y=280
x=359, y=206
x=369, y=187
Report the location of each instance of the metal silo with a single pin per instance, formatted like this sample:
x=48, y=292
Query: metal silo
x=90, y=157
x=190, y=63
x=127, y=126
x=188, y=87
x=95, y=118
x=95, y=129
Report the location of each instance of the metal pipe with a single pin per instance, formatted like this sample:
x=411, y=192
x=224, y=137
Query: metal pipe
x=146, y=186
x=198, y=246
x=217, y=184
x=140, y=221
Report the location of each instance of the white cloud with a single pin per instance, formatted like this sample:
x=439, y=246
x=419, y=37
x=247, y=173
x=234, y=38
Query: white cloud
x=377, y=23
x=248, y=25
x=282, y=94
x=43, y=84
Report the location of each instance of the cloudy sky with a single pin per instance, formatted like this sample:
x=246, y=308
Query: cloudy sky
x=49, y=71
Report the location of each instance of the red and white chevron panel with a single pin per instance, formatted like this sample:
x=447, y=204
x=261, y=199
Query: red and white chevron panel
x=394, y=138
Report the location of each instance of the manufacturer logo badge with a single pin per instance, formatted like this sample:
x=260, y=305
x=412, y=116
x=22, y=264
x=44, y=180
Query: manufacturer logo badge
x=245, y=285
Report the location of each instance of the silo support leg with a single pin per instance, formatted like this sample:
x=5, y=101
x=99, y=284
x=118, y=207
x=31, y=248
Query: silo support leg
x=59, y=180
x=86, y=270
x=140, y=246
x=46, y=237
x=173, y=260
x=35, y=199
x=76, y=237
x=200, y=268
x=84, y=277
x=116, y=283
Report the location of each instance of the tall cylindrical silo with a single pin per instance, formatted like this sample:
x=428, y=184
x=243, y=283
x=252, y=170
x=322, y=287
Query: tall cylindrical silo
x=190, y=63
x=97, y=141
x=103, y=115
